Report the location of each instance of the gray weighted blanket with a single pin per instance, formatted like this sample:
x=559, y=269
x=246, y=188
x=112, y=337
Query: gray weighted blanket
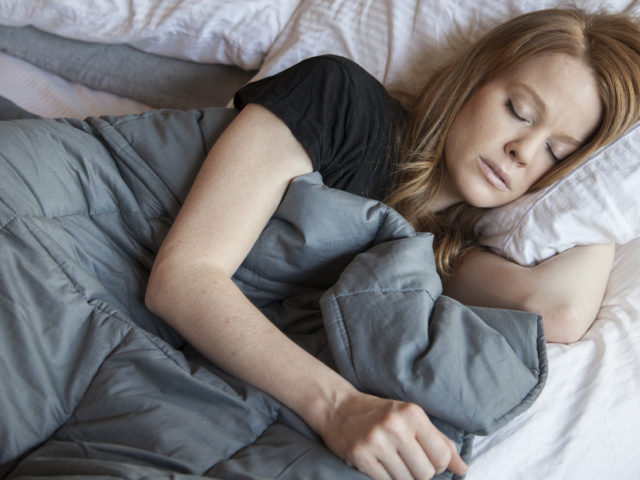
x=94, y=385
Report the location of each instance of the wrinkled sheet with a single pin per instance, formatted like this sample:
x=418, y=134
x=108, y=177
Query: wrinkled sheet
x=94, y=384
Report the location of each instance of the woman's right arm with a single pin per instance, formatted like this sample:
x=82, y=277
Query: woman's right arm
x=566, y=289
x=239, y=186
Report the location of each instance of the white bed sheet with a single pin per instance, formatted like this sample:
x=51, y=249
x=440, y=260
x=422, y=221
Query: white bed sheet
x=586, y=423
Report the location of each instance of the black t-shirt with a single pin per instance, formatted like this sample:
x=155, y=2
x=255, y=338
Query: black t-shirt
x=342, y=115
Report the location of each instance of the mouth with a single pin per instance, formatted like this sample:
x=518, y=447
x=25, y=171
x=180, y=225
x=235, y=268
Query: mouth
x=495, y=174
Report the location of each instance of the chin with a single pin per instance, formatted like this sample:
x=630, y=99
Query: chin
x=486, y=199
x=481, y=201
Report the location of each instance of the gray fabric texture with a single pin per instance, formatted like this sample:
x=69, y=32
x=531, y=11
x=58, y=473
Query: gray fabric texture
x=96, y=385
x=158, y=81
x=10, y=111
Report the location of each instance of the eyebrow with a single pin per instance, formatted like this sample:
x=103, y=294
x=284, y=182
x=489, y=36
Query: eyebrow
x=543, y=108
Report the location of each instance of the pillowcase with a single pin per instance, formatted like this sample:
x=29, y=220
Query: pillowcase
x=597, y=203
x=401, y=43
x=232, y=32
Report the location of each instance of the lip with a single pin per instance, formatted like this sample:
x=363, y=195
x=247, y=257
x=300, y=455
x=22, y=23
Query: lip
x=495, y=174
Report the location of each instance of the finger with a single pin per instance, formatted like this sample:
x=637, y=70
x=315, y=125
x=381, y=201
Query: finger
x=456, y=464
x=380, y=460
x=417, y=461
x=373, y=469
x=396, y=466
x=362, y=459
x=439, y=448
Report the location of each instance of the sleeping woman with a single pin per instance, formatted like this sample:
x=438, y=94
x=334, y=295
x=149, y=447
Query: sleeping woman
x=519, y=109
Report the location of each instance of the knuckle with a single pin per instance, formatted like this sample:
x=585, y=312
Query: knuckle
x=356, y=456
x=413, y=411
x=441, y=462
x=392, y=424
x=402, y=416
x=438, y=469
x=431, y=472
x=428, y=473
x=372, y=438
x=361, y=458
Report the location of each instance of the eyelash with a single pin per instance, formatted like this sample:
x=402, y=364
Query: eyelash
x=515, y=113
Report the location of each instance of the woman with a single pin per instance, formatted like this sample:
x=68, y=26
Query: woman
x=518, y=110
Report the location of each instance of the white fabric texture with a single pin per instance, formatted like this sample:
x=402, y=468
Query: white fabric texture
x=232, y=32
x=586, y=421
x=401, y=43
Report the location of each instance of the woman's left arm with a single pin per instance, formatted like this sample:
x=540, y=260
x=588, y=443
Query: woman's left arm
x=566, y=289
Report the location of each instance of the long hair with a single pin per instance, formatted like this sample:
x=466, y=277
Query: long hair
x=608, y=42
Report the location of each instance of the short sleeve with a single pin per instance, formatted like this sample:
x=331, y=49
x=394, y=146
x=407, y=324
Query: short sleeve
x=342, y=115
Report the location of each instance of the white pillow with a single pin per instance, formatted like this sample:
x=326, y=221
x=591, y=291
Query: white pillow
x=401, y=42
x=235, y=32
x=597, y=203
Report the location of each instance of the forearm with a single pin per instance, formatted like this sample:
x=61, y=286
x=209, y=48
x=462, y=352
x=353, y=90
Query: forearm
x=235, y=193
x=214, y=316
x=366, y=431
x=566, y=289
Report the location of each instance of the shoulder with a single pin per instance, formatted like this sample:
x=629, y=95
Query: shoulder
x=336, y=77
x=336, y=65
x=339, y=112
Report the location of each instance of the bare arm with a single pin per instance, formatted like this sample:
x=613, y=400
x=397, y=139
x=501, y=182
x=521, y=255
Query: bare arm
x=236, y=191
x=566, y=289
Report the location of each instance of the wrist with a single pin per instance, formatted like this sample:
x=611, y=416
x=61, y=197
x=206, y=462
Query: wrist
x=319, y=409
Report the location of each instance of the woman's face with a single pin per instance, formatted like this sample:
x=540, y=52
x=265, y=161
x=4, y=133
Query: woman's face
x=517, y=127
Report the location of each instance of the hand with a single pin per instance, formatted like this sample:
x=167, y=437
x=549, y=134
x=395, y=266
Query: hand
x=389, y=439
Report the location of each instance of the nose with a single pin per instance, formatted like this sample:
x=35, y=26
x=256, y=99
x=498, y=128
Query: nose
x=521, y=151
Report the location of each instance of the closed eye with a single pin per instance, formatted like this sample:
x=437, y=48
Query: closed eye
x=553, y=155
x=515, y=113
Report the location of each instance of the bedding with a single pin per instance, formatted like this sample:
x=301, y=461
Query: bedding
x=230, y=32
x=401, y=43
x=45, y=94
x=585, y=422
x=10, y=111
x=411, y=38
x=168, y=82
x=99, y=385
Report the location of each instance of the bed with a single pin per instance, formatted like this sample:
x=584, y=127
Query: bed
x=105, y=59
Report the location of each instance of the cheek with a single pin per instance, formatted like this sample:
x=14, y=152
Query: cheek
x=461, y=136
x=536, y=174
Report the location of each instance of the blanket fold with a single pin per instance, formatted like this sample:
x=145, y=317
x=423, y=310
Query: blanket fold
x=451, y=360
x=93, y=383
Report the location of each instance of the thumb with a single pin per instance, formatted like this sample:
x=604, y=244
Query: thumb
x=456, y=464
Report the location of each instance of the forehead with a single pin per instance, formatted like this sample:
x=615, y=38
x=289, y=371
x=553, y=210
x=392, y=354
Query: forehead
x=567, y=87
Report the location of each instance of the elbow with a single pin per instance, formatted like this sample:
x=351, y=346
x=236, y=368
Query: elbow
x=566, y=323
x=180, y=285
x=165, y=286
x=156, y=291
